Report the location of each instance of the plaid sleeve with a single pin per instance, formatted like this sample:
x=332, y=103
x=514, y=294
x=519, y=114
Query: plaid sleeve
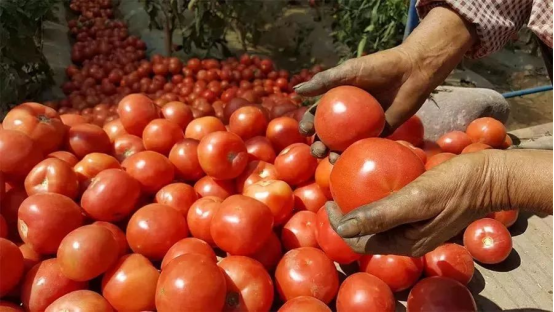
x=497, y=21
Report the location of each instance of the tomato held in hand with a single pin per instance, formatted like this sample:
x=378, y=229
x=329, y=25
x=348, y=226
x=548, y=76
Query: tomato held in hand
x=184, y=157
x=179, y=196
x=295, y=164
x=282, y=132
x=84, y=139
x=18, y=155
x=276, y=194
x=364, y=292
x=260, y=148
x=454, y=142
x=11, y=266
x=135, y=112
x=332, y=244
x=80, y=300
x=487, y=130
x=189, y=245
x=438, y=294
x=488, y=241
x=452, y=261
x=355, y=112
x=304, y=303
x=411, y=131
x=160, y=135
x=52, y=175
x=438, y=159
x=208, y=186
x=152, y=170
x=199, y=217
x=300, y=231
x=399, y=272
x=418, y=151
x=506, y=217
x=367, y=172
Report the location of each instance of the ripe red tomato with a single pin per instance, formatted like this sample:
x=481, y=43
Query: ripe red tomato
x=160, y=135
x=351, y=109
x=276, y=194
x=152, y=170
x=184, y=157
x=178, y=113
x=507, y=142
x=418, y=151
x=488, y=241
x=307, y=271
x=248, y=122
x=437, y=294
x=255, y=171
x=50, y=213
x=10, y=206
x=126, y=145
x=54, y=176
x=91, y=165
x=191, y=282
x=222, y=155
x=80, y=300
x=300, y=231
x=295, y=164
x=364, y=292
x=200, y=127
x=11, y=266
x=270, y=253
x=179, y=196
x=85, y=139
x=506, y=217
x=30, y=257
x=260, y=148
x=241, y=225
x=114, y=129
x=207, y=186
x=411, y=131
x=309, y=196
x=430, y=148
x=18, y=155
x=475, y=147
x=135, y=112
x=199, y=217
x=331, y=243
x=322, y=175
x=69, y=158
x=92, y=247
x=117, y=234
x=438, y=159
x=450, y=260
x=454, y=142
x=72, y=119
x=282, y=132
x=365, y=172
x=130, y=284
x=487, y=130
x=399, y=272
x=154, y=228
x=304, y=303
x=189, y=245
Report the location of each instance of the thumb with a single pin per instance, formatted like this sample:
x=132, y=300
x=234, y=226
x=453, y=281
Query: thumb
x=328, y=79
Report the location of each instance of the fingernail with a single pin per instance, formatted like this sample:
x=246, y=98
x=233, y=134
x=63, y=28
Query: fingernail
x=349, y=228
x=299, y=85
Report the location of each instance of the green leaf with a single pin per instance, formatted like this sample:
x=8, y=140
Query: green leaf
x=361, y=46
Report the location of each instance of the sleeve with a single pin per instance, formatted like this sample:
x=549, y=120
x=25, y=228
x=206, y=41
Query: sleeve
x=540, y=21
x=495, y=21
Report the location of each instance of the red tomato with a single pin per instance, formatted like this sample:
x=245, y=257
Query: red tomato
x=50, y=213
x=418, y=151
x=507, y=142
x=241, y=225
x=248, y=122
x=309, y=196
x=3, y=227
x=54, y=176
x=6, y=306
x=438, y=159
x=450, y=260
x=365, y=292
x=152, y=170
x=354, y=111
x=72, y=119
x=130, y=284
x=80, y=300
x=179, y=196
x=488, y=241
x=399, y=272
x=126, y=145
x=276, y=194
x=322, y=175
x=454, y=142
x=135, y=112
x=178, y=113
x=154, y=228
x=10, y=206
x=282, y=132
x=300, y=231
x=366, y=172
x=18, y=155
x=270, y=253
x=487, y=130
x=160, y=135
x=248, y=284
x=11, y=266
x=200, y=127
x=84, y=139
x=307, y=271
x=411, y=131
x=92, y=247
x=295, y=164
x=199, y=217
x=45, y=283
x=506, y=217
x=30, y=257
x=189, y=245
x=260, y=148
x=437, y=294
x=304, y=303
x=475, y=147
x=184, y=157
x=222, y=155
x=255, y=171
x=41, y=123
x=114, y=129
x=191, y=282
x=117, y=234
x=430, y=148
x=65, y=156
x=332, y=244
x=207, y=186
x=91, y=165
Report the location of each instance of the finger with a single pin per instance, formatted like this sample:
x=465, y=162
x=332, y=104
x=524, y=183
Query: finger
x=306, y=126
x=318, y=149
x=334, y=213
x=404, y=106
x=392, y=242
x=328, y=79
x=333, y=157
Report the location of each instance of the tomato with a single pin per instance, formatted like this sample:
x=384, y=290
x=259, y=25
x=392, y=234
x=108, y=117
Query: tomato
x=10, y=206
x=11, y=266
x=178, y=113
x=184, y=157
x=255, y=171
x=18, y=155
x=249, y=286
x=418, y=151
x=126, y=145
x=506, y=217
x=191, y=282
x=65, y=156
x=430, y=148
x=30, y=257
x=300, y=231
x=117, y=234
x=84, y=139
x=304, y=303
x=454, y=142
x=282, y=132
x=72, y=119
x=507, y=142
x=222, y=155
x=276, y=194
x=189, y=245
x=130, y=284
x=411, y=131
x=200, y=127
x=114, y=129
x=50, y=213
x=6, y=306
x=364, y=292
x=475, y=147
x=135, y=112
x=399, y=272
x=154, y=228
x=331, y=243
x=179, y=196
x=487, y=130
x=152, y=170
x=260, y=148
x=91, y=165
x=437, y=294
x=488, y=241
x=309, y=196
x=295, y=164
x=322, y=175
x=354, y=111
x=3, y=227
x=80, y=300
x=45, y=283
x=248, y=122
x=450, y=260
x=241, y=225
x=160, y=135
x=366, y=172
x=306, y=271
x=54, y=176
x=207, y=186
x=199, y=217
x=438, y=159
x=41, y=123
